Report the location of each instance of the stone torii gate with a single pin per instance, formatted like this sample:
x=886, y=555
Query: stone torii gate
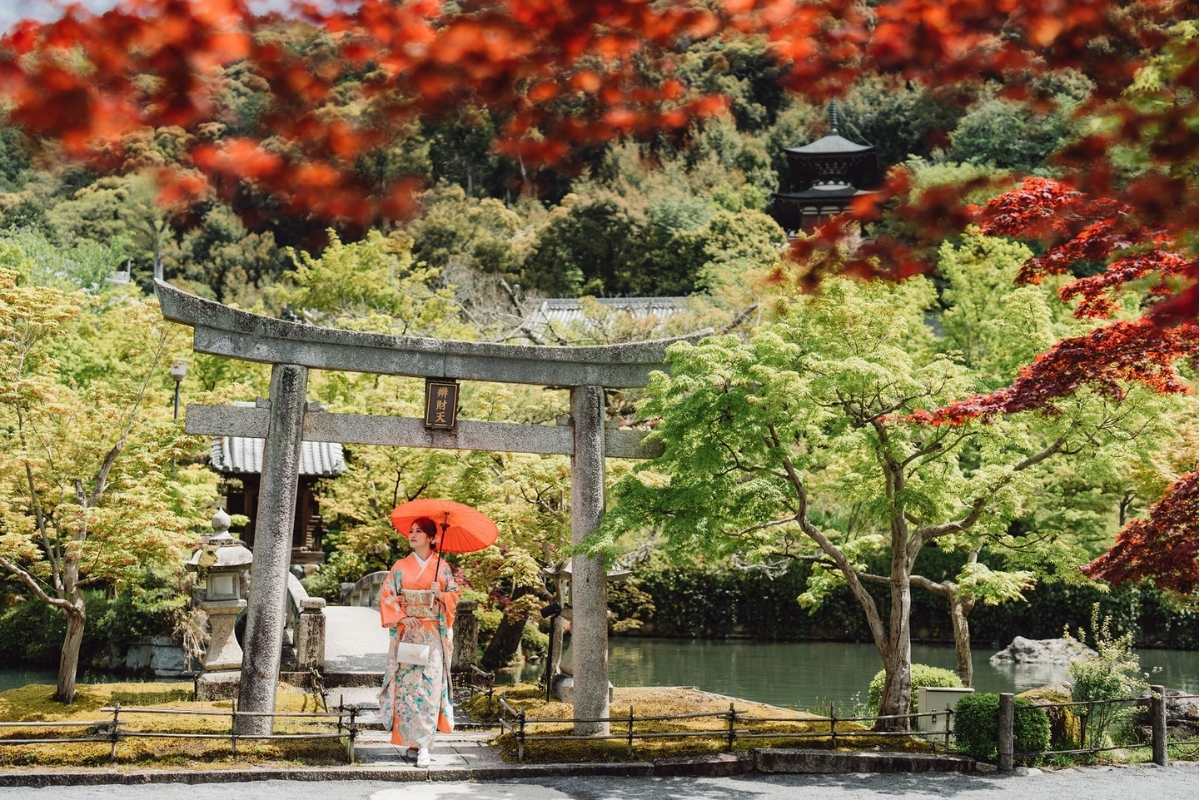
x=286, y=418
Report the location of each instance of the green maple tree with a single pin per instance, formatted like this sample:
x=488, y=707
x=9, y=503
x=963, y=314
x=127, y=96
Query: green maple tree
x=87, y=495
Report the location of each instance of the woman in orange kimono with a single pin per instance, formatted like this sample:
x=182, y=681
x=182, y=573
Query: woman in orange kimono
x=415, y=700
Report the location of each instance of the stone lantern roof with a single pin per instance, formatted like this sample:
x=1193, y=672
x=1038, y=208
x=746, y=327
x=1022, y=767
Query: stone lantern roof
x=223, y=551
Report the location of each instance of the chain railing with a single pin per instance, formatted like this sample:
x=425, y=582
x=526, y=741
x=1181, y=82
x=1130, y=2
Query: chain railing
x=115, y=729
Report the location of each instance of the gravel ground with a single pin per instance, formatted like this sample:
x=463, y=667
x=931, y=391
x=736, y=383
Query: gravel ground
x=1177, y=782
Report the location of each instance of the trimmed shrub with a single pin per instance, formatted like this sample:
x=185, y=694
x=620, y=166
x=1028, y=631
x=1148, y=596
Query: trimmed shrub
x=922, y=675
x=977, y=726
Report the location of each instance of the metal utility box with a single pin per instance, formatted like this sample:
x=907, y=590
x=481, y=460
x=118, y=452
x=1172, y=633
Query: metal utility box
x=936, y=699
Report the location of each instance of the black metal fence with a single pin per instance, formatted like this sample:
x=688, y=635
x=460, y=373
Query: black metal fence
x=734, y=725
x=1085, y=713
x=730, y=726
x=113, y=730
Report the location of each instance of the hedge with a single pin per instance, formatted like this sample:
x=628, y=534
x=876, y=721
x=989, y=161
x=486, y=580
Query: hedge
x=700, y=602
x=922, y=675
x=977, y=726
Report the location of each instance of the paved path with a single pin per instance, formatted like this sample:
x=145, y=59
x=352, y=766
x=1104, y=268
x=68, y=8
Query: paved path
x=1178, y=782
x=354, y=640
x=460, y=749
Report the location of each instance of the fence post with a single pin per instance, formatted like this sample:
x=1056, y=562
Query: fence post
x=732, y=720
x=521, y=736
x=233, y=727
x=1005, y=746
x=112, y=753
x=630, y=730
x=832, y=728
x=1158, y=724
x=353, y=730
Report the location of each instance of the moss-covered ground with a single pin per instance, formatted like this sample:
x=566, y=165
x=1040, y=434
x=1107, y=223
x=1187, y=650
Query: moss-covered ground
x=35, y=703
x=771, y=727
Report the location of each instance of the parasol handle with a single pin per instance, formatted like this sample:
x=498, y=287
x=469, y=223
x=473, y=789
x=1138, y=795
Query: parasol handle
x=437, y=566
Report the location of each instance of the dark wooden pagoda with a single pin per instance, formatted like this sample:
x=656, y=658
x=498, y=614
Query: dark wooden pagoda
x=823, y=178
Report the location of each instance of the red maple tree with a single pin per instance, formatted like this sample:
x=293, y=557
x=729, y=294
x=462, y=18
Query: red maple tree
x=562, y=73
x=1161, y=548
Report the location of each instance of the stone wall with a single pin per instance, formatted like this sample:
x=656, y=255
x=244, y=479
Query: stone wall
x=161, y=655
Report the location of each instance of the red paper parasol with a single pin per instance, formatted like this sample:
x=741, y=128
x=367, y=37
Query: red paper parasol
x=463, y=529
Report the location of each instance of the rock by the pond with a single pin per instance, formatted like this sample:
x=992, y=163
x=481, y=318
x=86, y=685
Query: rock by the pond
x=1041, y=651
x=1183, y=719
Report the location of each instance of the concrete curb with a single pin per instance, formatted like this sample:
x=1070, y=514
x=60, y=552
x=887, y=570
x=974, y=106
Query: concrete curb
x=721, y=764
x=833, y=762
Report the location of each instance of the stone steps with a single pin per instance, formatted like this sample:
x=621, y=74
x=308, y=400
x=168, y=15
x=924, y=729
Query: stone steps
x=366, y=701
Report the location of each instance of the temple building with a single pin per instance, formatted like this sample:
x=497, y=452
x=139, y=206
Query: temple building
x=823, y=178
x=239, y=463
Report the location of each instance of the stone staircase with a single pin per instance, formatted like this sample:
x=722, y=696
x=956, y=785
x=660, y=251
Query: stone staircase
x=468, y=746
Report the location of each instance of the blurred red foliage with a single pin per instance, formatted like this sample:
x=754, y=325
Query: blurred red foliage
x=563, y=74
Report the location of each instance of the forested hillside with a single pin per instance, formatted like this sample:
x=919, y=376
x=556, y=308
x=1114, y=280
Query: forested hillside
x=660, y=216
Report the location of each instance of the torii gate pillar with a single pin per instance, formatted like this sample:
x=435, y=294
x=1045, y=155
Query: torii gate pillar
x=267, y=610
x=589, y=600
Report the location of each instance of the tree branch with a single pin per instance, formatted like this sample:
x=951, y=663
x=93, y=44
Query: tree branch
x=101, y=479
x=874, y=621
x=929, y=532
x=761, y=526
x=946, y=589
x=741, y=317
x=29, y=581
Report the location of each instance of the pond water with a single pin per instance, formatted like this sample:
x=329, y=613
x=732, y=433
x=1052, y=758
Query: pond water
x=16, y=678
x=800, y=675
x=810, y=675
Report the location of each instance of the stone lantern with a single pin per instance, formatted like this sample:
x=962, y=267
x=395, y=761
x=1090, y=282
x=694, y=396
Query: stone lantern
x=224, y=564
x=562, y=669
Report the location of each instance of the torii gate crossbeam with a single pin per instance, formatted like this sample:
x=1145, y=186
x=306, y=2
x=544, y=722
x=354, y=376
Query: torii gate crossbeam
x=286, y=419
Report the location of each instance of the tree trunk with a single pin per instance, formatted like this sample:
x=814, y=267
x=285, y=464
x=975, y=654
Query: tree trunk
x=507, y=638
x=897, y=691
x=68, y=662
x=959, y=609
x=897, y=655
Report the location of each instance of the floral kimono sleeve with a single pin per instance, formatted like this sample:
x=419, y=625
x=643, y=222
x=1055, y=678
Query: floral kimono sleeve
x=391, y=605
x=452, y=594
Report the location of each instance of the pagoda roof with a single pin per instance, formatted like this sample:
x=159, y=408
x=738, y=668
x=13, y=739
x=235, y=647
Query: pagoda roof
x=826, y=191
x=831, y=143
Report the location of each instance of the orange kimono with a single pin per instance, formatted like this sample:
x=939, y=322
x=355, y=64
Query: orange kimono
x=415, y=699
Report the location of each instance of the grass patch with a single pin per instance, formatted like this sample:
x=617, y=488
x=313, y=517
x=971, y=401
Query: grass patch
x=35, y=703
x=656, y=702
